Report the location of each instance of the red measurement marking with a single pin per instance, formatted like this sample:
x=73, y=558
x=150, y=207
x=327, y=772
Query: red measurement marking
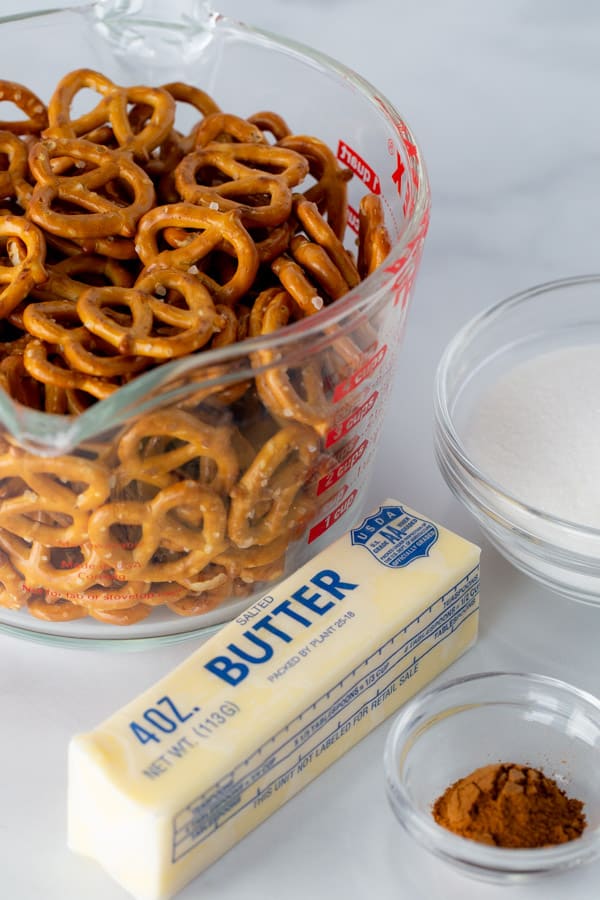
x=354, y=161
x=353, y=381
x=342, y=469
x=355, y=417
x=398, y=173
x=352, y=219
x=321, y=527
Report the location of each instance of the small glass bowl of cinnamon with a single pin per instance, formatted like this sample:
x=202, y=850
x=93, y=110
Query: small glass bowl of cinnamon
x=510, y=723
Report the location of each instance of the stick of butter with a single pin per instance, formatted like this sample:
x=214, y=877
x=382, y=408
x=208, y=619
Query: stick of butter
x=175, y=778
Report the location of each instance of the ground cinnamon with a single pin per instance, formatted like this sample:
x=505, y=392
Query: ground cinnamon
x=510, y=805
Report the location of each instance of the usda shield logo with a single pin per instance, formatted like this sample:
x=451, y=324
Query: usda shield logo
x=395, y=537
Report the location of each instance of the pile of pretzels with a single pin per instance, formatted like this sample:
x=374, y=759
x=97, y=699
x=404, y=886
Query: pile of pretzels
x=124, y=244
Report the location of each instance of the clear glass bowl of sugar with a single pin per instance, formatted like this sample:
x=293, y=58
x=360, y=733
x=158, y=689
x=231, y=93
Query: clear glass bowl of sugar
x=517, y=430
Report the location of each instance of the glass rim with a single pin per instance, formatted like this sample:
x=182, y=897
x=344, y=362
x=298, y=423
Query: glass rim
x=452, y=846
x=451, y=442
x=36, y=428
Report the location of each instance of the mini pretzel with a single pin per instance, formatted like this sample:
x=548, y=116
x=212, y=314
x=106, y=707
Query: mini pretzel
x=158, y=104
x=60, y=124
x=45, y=566
x=330, y=191
x=200, y=100
x=314, y=260
x=272, y=123
x=62, y=285
x=102, y=217
x=276, y=478
x=209, y=229
x=32, y=106
x=228, y=327
x=17, y=383
x=59, y=611
x=14, y=592
x=13, y=178
x=322, y=233
x=210, y=588
x=241, y=189
x=191, y=328
x=224, y=128
x=374, y=242
x=274, y=385
x=201, y=442
x=272, y=242
x=260, y=305
x=45, y=494
x=195, y=324
x=295, y=282
x=38, y=364
x=112, y=246
x=241, y=563
x=161, y=526
x=57, y=322
x=187, y=93
x=156, y=129
x=27, y=267
x=122, y=616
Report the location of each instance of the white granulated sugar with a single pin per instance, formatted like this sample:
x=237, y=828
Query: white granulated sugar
x=536, y=433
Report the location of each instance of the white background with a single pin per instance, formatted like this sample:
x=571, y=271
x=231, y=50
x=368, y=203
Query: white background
x=503, y=98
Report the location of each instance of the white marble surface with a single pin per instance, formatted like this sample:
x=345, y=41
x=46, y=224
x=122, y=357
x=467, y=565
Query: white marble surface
x=503, y=98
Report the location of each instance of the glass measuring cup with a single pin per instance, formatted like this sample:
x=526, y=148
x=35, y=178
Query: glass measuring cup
x=346, y=352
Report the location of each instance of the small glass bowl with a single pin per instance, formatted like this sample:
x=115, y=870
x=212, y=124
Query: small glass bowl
x=447, y=732
x=562, y=555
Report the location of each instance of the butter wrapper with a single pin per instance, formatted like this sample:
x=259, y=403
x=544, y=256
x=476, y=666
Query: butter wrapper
x=171, y=781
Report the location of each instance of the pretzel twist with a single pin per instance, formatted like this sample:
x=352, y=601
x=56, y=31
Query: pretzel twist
x=37, y=362
x=208, y=229
x=374, y=242
x=57, y=322
x=27, y=253
x=271, y=122
x=268, y=499
x=203, y=448
x=46, y=496
x=17, y=382
x=330, y=192
x=225, y=127
x=162, y=115
x=306, y=402
x=239, y=185
x=103, y=217
x=13, y=179
x=161, y=527
x=60, y=124
x=62, y=285
x=323, y=234
x=27, y=102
